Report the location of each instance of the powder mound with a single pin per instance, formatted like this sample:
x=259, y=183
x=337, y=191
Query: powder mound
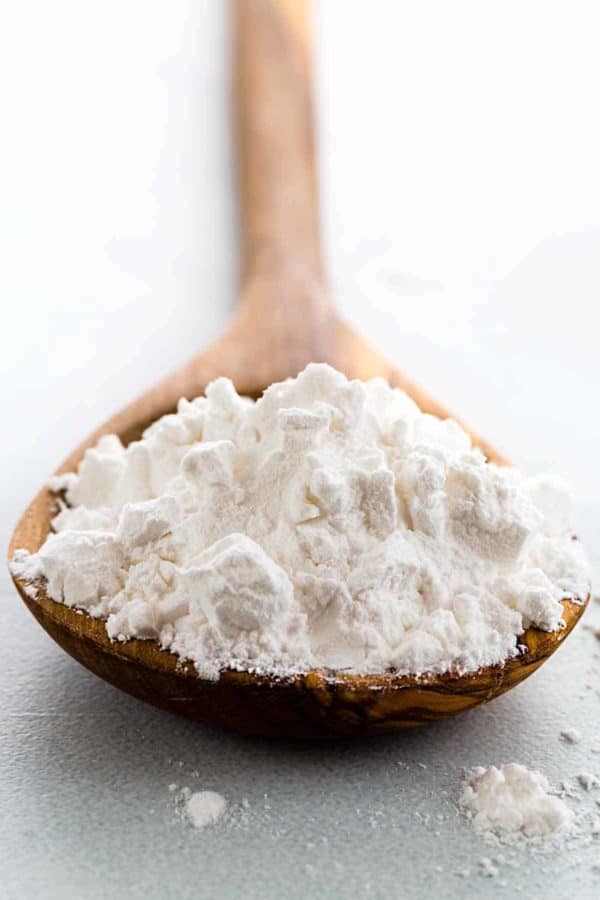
x=204, y=808
x=328, y=524
x=514, y=800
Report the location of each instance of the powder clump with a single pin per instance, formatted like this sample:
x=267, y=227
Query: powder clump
x=570, y=736
x=514, y=800
x=328, y=524
x=204, y=808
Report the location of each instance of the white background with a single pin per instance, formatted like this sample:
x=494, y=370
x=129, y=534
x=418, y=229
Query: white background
x=459, y=148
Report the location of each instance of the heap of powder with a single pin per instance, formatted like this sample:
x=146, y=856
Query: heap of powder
x=514, y=800
x=204, y=808
x=570, y=736
x=329, y=524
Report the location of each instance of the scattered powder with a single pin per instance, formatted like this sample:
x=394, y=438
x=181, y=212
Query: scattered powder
x=514, y=800
x=570, y=735
x=330, y=523
x=488, y=868
x=567, y=789
x=587, y=780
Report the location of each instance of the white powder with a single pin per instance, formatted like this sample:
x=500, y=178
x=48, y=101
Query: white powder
x=570, y=736
x=203, y=807
x=587, y=780
x=488, y=868
x=514, y=800
x=329, y=524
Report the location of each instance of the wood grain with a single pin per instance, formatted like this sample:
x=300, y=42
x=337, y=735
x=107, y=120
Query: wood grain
x=285, y=319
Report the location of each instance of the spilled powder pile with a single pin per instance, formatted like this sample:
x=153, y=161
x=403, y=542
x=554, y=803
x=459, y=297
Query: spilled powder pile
x=330, y=523
x=570, y=736
x=204, y=808
x=514, y=800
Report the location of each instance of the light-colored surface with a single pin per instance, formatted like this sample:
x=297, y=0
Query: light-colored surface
x=461, y=203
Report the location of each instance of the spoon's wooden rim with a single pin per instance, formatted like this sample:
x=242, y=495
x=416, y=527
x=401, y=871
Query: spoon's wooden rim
x=34, y=527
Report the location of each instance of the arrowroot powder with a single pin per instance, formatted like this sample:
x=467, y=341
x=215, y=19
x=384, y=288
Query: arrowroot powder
x=514, y=800
x=204, y=807
x=329, y=524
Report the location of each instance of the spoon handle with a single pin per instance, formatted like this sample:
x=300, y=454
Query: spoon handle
x=275, y=140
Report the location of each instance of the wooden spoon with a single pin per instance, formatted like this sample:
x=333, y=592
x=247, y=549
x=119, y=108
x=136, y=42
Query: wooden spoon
x=285, y=320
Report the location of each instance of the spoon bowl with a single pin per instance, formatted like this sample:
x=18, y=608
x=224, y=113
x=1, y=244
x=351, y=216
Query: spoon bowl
x=319, y=704
x=285, y=319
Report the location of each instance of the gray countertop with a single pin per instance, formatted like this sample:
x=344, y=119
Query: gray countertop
x=445, y=249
